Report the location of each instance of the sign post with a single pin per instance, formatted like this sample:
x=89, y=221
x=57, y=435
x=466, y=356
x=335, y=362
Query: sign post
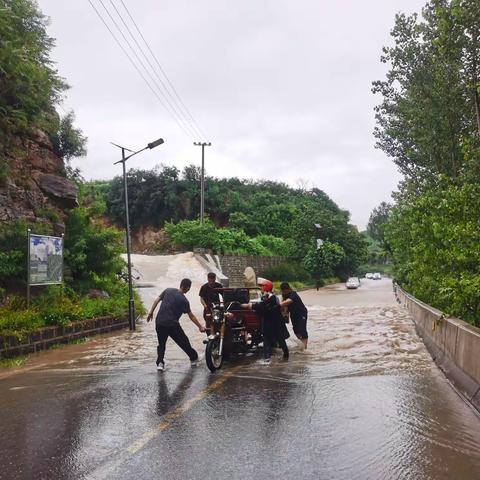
x=28, y=269
x=44, y=262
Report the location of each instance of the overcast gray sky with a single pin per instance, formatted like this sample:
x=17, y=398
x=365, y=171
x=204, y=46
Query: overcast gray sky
x=281, y=88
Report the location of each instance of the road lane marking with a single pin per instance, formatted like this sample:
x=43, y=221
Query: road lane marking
x=178, y=412
x=107, y=469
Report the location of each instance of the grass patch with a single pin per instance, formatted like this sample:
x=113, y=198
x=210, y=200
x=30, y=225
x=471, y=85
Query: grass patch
x=75, y=341
x=13, y=362
x=60, y=306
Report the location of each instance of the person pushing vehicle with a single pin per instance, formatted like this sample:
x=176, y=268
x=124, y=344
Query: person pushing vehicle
x=298, y=312
x=274, y=329
x=167, y=324
x=209, y=294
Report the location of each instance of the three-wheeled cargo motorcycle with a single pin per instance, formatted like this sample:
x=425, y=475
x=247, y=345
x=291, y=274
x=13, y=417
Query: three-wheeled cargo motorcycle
x=233, y=330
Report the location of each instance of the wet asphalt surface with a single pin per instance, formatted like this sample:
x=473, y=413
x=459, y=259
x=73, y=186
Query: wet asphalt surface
x=365, y=401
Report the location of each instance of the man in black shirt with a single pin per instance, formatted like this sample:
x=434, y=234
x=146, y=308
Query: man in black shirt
x=298, y=312
x=209, y=295
x=167, y=323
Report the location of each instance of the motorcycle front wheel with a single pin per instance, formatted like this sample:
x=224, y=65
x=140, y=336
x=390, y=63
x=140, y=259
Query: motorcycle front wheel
x=213, y=356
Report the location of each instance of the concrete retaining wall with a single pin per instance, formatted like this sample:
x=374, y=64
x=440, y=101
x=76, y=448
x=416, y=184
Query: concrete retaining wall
x=233, y=266
x=45, y=337
x=453, y=344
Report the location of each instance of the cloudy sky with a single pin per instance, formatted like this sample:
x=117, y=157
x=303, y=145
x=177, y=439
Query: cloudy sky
x=281, y=88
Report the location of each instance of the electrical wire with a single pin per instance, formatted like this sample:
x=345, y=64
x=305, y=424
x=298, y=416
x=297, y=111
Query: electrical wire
x=119, y=43
x=173, y=105
x=197, y=126
x=145, y=70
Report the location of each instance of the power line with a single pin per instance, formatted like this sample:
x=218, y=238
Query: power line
x=177, y=104
x=152, y=79
x=117, y=41
x=163, y=73
x=173, y=105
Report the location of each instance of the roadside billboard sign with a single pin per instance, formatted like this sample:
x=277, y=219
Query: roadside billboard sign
x=45, y=260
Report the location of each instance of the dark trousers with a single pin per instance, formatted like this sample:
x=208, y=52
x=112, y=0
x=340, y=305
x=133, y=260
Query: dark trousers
x=268, y=346
x=177, y=334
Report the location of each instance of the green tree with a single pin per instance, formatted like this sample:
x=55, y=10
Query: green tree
x=322, y=262
x=30, y=83
x=426, y=120
x=377, y=222
x=92, y=250
x=69, y=142
x=435, y=241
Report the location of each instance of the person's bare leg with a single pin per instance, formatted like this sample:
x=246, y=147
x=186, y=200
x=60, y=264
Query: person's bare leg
x=300, y=342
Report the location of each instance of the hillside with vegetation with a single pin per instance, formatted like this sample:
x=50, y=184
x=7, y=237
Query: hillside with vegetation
x=428, y=122
x=40, y=190
x=243, y=216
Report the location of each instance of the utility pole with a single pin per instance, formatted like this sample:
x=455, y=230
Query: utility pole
x=202, y=180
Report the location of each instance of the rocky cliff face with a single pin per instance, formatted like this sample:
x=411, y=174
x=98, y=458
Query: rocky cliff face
x=150, y=240
x=35, y=187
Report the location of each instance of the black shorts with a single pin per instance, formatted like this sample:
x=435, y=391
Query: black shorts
x=300, y=326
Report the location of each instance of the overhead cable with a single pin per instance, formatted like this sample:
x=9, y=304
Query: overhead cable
x=176, y=94
x=134, y=64
x=178, y=112
x=147, y=72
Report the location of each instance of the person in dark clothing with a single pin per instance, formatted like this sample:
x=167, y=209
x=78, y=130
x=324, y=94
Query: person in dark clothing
x=167, y=324
x=274, y=329
x=298, y=312
x=209, y=295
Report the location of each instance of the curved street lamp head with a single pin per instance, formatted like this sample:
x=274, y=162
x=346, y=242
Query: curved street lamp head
x=156, y=143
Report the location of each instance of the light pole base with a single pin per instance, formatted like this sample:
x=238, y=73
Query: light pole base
x=131, y=314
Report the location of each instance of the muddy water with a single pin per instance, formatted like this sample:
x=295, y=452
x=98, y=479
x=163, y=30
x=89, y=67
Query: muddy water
x=392, y=412
x=365, y=401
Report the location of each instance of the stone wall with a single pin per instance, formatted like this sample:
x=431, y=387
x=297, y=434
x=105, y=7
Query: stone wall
x=453, y=344
x=233, y=266
x=44, y=338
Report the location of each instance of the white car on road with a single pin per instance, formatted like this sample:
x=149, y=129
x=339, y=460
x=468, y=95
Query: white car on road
x=353, y=282
x=377, y=276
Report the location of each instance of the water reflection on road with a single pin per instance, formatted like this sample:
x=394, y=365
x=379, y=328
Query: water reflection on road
x=365, y=401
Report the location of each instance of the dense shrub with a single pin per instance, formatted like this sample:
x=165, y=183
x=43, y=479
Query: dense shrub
x=189, y=234
x=287, y=272
x=435, y=240
x=91, y=249
x=275, y=245
x=19, y=322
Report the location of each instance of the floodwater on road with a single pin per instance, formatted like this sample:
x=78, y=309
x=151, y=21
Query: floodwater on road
x=364, y=401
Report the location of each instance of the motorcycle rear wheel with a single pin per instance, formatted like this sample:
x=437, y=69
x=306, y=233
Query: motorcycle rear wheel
x=213, y=357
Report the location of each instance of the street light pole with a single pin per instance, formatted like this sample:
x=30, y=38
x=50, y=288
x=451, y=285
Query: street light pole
x=131, y=301
x=318, y=228
x=202, y=180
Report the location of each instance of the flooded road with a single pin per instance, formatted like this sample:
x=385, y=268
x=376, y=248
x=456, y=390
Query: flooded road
x=365, y=401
